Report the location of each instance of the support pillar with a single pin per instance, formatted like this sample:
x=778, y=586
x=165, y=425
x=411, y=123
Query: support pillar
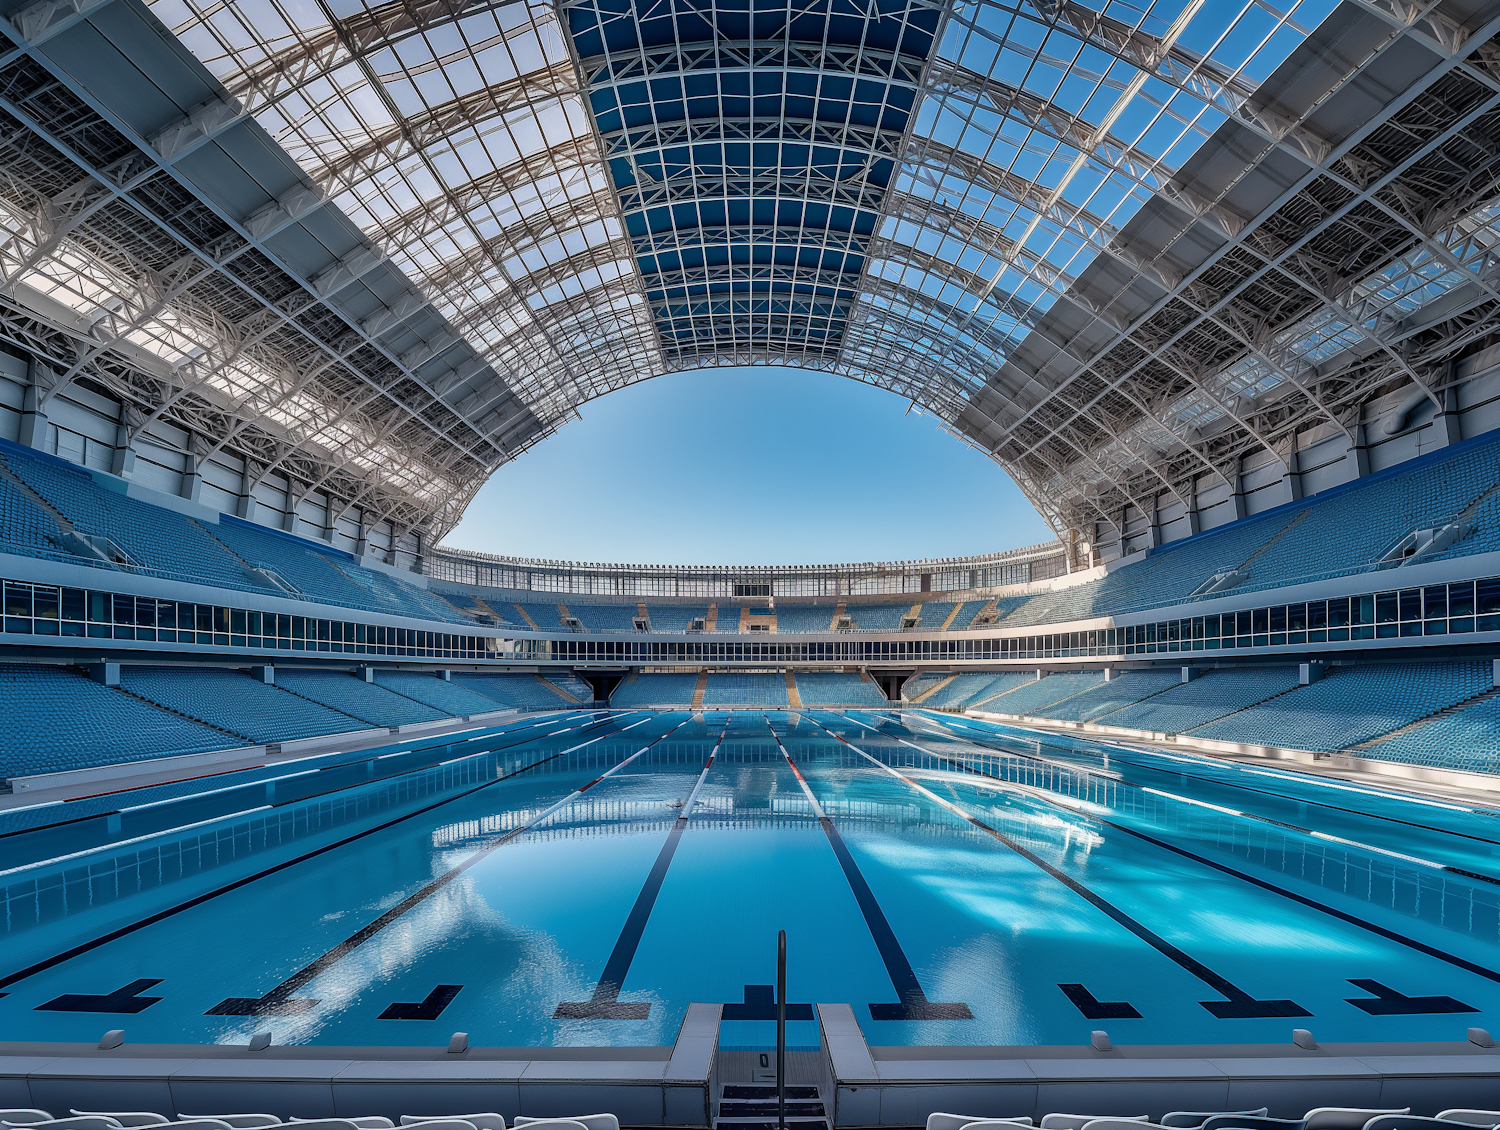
x=264, y=674
x=1358, y=455
x=106, y=673
x=33, y=419
x=1191, y=673
x=1237, y=496
x=122, y=460
x=1309, y=673
x=1445, y=424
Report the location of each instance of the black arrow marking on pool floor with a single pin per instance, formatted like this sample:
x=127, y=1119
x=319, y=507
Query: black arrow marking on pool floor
x=1344, y=916
x=913, y=1004
x=280, y=1002
x=152, y=919
x=429, y=1008
x=124, y=999
x=1239, y=1004
x=1095, y=1009
x=605, y=1003
x=1388, y=1002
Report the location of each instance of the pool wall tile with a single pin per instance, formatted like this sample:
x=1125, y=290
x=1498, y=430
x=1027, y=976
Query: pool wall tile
x=635, y=1101
x=910, y=1105
x=15, y=1087
x=104, y=1084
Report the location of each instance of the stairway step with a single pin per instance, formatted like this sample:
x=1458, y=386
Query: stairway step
x=746, y=1108
x=766, y=1091
x=764, y=1124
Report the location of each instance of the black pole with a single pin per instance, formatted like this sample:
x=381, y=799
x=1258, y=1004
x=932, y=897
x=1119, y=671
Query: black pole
x=781, y=1030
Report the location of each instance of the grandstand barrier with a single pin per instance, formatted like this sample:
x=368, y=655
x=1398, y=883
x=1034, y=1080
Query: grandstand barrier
x=185, y=764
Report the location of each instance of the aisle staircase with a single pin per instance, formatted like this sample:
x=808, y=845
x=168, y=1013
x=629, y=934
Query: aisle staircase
x=702, y=685
x=711, y=622
x=793, y=695
x=752, y=1106
x=952, y=612
x=932, y=690
x=526, y=616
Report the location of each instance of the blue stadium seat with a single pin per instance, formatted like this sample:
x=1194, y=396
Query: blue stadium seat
x=675, y=617
x=234, y=701
x=450, y=698
x=522, y=692
x=802, y=617
x=1467, y=739
x=1349, y=705
x=732, y=688
x=655, y=690
x=1032, y=696
x=835, y=688
x=1212, y=695
x=57, y=719
x=1125, y=689
x=368, y=702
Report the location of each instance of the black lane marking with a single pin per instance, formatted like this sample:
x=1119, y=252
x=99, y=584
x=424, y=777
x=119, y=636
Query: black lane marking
x=280, y=1002
x=1452, y=869
x=1390, y=935
x=913, y=1003
x=1239, y=1004
x=1094, y=1009
x=1388, y=1002
x=605, y=1003
x=124, y=999
x=760, y=1004
x=95, y=943
x=429, y=1008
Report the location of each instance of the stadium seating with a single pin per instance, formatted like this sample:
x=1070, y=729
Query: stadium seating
x=801, y=617
x=1349, y=705
x=1212, y=695
x=834, y=688
x=1032, y=697
x=522, y=692
x=1125, y=689
x=547, y=617
x=878, y=617
x=1003, y=685
x=918, y=685
x=368, y=702
x=236, y=702
x=162, y=541
x=675, y=617
x=655, y=690
x=571, y=684
x=57, y=718
x=27, y=529
x=1467, y=738
x=732, y=688
x=963, y=688
x=450, y=698
x=604, y=617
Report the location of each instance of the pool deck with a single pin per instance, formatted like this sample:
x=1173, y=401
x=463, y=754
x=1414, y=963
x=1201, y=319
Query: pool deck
x=678, y=1085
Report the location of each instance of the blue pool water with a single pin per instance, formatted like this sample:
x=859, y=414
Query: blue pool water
x=580, y=879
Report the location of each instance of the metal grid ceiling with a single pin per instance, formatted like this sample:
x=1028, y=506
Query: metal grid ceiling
x=1040, y=221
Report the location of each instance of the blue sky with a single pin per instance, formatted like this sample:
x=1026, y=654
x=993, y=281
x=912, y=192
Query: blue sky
x=746, y=467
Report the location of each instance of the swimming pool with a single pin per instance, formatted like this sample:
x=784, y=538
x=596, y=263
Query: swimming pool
x=579, y=880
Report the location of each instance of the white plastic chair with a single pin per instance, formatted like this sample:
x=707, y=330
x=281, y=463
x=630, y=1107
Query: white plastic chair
x=126, y=1118
x=1079, y=1121
x=559, y=1123
x=487, y=1121
x=1471, y=1117
x=939, y=1120
x=1112, y=1124
x=194, y=1124
x=1343, y=1117
x=363, y=1121
x=239, y=1121
x=590, y=1121
x=1187, y=1119
x=443, y=1124
x=85, y=1122
x=16, y=1116
x=329, y=1124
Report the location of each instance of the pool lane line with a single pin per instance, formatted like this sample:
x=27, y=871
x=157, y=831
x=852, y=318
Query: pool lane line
x=132, y=927
x=176, y=829
x=912, y=1003
x=1353, y=920
x=1238, y=1005
x=280, y=1002
x=1450, y=868
x=1286, y=776
x=605, y=1002
x=494, y=731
